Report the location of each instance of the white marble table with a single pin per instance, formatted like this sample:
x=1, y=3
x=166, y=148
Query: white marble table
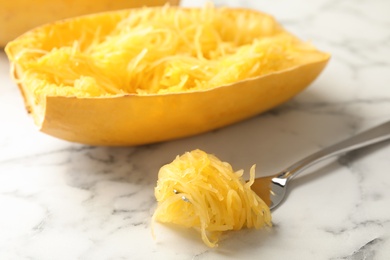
x=61, y=200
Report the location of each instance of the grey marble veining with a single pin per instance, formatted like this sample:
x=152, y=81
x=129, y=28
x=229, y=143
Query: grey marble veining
x=62, y=200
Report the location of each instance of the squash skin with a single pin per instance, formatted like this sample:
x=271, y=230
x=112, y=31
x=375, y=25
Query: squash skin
x=19, y=16
x=131, y=119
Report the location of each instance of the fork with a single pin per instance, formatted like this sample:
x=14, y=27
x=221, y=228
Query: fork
x=272, y=189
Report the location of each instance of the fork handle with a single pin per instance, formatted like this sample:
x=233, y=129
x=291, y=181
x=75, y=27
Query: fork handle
x=366, y=138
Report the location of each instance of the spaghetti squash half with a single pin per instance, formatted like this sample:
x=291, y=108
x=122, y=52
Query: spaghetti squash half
x=152, y=74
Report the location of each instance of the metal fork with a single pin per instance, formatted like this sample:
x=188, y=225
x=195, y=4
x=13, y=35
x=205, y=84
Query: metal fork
x=272, y=189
